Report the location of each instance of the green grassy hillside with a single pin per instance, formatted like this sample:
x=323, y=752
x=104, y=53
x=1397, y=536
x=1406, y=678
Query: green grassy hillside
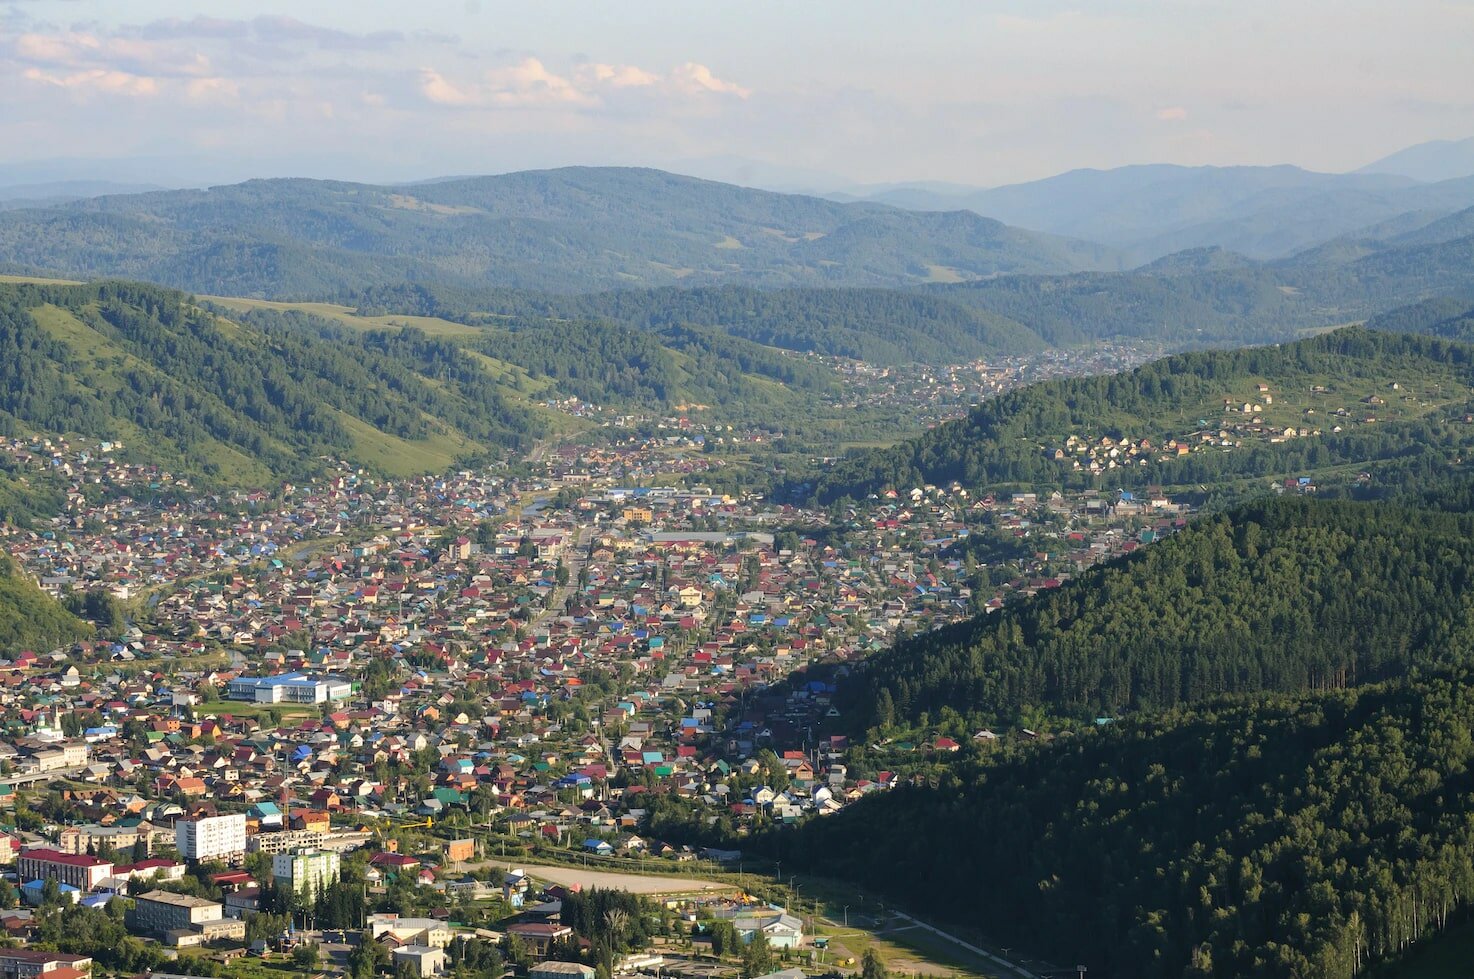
x=180, y=386
x=29, y=619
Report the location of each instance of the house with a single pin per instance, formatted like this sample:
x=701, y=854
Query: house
x=409, y=931
x=421, y=960
x=25, y=963
x=561, y=970
x=539, y=935
x=782, y=930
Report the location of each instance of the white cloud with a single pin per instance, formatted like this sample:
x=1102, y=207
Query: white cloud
x=435, y=87
x=530, y=82
x=699, y=78
x=94, y=52
x=97, y=79
x=617, y=76
x=211, y=89
x=1172, y=113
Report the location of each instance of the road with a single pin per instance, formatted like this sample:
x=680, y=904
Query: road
x=1011, y=968
x=56, y=774
x=574, y=560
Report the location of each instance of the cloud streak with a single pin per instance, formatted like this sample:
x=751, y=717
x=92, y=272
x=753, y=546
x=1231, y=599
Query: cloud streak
x=531, y=83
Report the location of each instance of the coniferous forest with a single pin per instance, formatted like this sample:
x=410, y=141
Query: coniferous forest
x=1253, y=753
x=1276, y=836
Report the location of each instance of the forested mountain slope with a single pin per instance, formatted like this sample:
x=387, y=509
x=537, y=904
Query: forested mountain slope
x=573, y=229
x=1207, y=297
x=599, y=362
x=1288, y=595
x=1277, y=837
x=885, y=326
x=1202, y=297
x=180, y=386
x=1447, y=316
x=255, y=391
x=1338, y=388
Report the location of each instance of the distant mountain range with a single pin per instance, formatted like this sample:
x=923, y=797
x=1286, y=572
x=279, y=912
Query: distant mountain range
x=575, y=229
x=61, y=191
x=1155, y=210
x=649, y=250
x=1441, y=159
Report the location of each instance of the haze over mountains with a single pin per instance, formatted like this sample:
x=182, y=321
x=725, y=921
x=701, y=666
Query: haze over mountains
x=589, y=228
x=574, y=229
x=1188, y=256
x=1439, y=159
x=1154, y=210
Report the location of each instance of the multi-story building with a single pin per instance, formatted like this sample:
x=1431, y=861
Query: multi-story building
x=290, y=688
x=159, y=912
x=306, y=872
x=211, y=837
x=54, y=757
x=79, y=870
x=92, y=837
x=26, y=963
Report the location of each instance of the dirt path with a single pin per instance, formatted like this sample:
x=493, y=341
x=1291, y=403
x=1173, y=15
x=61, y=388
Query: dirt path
x=632, y=882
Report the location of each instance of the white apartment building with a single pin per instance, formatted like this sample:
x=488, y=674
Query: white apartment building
x=211, y=837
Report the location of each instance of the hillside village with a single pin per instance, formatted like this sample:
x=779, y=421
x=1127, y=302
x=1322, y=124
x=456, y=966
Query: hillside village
x=1246, y=419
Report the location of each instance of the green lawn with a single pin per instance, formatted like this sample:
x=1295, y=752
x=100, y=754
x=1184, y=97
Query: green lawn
x=348, y=316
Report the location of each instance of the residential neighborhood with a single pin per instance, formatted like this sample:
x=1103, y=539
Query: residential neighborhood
x=385, y=686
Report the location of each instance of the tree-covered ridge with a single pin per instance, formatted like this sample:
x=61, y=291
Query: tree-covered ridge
x=1283, y=595
x=1204, y=297
x=1194, y=299
x=1451, y=317
x=1276, y=837
x=574, y=229
x=1012, y=439
x=602, y=363
x=883, y=326
x=178, y=385
x=30, y=619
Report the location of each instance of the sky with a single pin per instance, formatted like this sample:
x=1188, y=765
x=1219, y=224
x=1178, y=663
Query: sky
x=813, y=94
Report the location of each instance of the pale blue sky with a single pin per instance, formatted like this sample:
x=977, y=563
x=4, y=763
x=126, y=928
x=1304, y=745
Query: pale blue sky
x=972, y=92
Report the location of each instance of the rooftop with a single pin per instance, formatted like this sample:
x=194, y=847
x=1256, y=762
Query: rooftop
x=177, y=900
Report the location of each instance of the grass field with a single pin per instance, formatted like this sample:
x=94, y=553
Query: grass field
x=401, y=457
x=348, y=316
x=38, y=280
x=242, y=708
